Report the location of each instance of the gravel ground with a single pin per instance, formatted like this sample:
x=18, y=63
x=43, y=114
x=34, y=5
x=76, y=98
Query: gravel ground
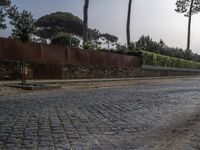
x=163, y=116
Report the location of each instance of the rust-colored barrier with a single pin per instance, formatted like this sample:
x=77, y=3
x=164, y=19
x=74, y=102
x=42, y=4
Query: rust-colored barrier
x=33, y=52
x=53, y=54
x=97, y=58
x=1, y=49
x=12, y=50
x=78, y=57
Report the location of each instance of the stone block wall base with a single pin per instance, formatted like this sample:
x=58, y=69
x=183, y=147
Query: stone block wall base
x=90, y=72
x=11, y=71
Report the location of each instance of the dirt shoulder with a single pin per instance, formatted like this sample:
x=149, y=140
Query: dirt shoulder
x=5, y=90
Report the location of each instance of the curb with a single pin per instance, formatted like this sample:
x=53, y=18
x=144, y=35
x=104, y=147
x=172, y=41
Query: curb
x=95, y=80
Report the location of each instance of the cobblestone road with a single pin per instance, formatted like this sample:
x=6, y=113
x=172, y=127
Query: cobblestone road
x=153, y=116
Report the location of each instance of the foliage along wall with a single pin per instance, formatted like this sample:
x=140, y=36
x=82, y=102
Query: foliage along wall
x=166, y=61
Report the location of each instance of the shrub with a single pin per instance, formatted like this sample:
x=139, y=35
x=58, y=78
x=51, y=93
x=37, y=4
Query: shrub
x=166, y=61
x=132, y=50
x=65, y=39
x=90, y=45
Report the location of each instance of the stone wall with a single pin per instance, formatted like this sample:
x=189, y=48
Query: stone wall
x=11, y=71
x=78, y=72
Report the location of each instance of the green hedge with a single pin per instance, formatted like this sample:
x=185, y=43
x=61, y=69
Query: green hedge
x=165, y=61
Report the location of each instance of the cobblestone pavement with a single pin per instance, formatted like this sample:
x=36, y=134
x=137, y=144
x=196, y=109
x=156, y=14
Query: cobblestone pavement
x=152, y=116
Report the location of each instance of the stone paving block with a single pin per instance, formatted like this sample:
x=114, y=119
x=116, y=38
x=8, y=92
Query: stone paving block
x=135, y=117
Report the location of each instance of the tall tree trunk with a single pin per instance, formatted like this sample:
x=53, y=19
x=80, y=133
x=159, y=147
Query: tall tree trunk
x=85, y=22
x=189, y=25
x=128, y=23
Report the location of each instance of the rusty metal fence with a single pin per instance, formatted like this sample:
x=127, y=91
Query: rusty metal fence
x=11, y=50
x=47, y=60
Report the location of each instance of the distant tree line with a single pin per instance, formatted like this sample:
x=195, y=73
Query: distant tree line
x=68, y=27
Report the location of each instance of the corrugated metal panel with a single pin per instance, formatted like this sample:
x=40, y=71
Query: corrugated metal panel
x=53, y=54
x=1, y=48
x=78, y=57
x=33, y=52
x=11, y=50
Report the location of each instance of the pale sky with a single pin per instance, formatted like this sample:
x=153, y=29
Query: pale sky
x=156, y=18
